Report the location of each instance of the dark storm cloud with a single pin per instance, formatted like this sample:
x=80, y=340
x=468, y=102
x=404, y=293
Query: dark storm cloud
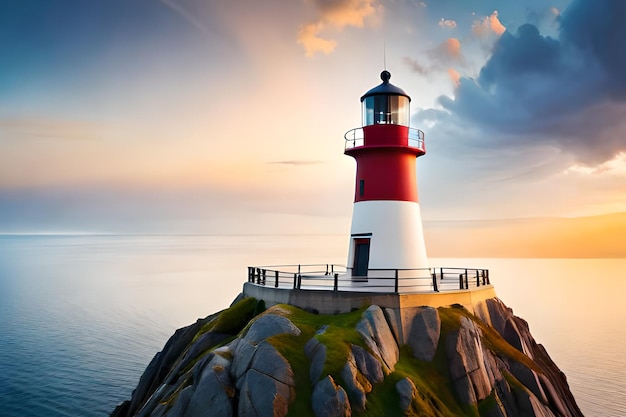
x=568, y=92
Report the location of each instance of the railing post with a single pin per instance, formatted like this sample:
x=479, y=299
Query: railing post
x=396, y=283
x=326, y=270
x=435, y=280
x=298, y=269
x=264, y=271
x=336, y=283
x=477, y=279
x=299, y=281
x=295, y=281
x=276, y=279
x=466, y=283
x=250, y=274
x=460, y=281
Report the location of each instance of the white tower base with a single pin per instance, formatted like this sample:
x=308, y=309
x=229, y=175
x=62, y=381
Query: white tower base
x=386, y=241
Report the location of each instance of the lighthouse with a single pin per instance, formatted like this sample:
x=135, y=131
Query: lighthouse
x=386, y=235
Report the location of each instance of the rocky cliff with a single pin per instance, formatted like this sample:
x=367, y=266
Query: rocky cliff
x=248, y=361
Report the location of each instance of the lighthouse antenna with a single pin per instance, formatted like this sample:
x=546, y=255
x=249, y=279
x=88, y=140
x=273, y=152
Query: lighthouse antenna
x=385, y=56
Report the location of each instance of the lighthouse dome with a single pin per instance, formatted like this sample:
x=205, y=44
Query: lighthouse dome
x=385, y=104
x=385, y=88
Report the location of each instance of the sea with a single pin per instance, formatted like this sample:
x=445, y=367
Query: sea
x=81, y=316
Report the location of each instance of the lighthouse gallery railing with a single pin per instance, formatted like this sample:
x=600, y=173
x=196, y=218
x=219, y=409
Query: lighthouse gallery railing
x=337, y=278
x=356, y=138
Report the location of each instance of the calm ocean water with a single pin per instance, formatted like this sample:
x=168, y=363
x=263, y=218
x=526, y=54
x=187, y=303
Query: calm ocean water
x=82, y=316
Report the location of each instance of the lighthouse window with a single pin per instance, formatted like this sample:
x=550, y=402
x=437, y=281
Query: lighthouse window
x=361, y=187
x=386, y=109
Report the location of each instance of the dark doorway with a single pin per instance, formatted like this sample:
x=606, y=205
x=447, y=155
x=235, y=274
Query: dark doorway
x=361, y=257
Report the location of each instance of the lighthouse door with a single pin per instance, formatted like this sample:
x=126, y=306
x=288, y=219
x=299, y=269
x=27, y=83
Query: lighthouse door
x=361, y=257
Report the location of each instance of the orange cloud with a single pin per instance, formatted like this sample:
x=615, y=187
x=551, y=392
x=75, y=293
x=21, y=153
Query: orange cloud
x=452, y=48
x=454, y=76
x=487, y=25
x=312, y=42
x=336, y=15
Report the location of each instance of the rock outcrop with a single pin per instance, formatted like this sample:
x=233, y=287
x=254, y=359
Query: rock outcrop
x=245, y=361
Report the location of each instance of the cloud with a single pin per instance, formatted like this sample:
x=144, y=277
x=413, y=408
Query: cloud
x=446, y=52
x=488, y=25
x=446, y=23
x=454, y=76
x=308, y=36
x=441, y=57
x=567, y=92
x=333, y=15
x=38, y=128
x=295, y=162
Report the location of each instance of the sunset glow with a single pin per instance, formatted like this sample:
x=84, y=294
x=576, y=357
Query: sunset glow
x=201, y=117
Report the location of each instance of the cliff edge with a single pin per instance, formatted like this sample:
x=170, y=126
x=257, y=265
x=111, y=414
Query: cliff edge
x=283, y=361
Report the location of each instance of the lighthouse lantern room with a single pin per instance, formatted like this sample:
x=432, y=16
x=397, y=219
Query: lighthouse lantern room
x=386, y=236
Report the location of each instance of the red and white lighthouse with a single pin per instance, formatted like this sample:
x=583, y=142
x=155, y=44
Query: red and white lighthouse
x=386, y=232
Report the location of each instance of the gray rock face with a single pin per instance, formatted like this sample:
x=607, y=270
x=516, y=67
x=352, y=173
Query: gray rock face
x=269, y=325
x=264, y=377
x=213, y=391
x=263, y=396
x=497, y=371
x=316, y=352
x=473, y=371
x=356, y=384
x=424, y=335
x=329, y=399
x=377, y=335
x=369, y=366
x=407, y=391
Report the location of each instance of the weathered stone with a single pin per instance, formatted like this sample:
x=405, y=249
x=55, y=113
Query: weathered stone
x=498, y=314
x=368, y=365
x=242, y=357
x=467, y=364
x=424, y=334
x=213, y=390
x=329, y=399
x=203, y=343
x=316, y=352
x=268, y=361
x=310, y=346
x=178, y=410
x=357, y=386
x=263, y=396
x=407, y=391
x=376, y=334
x=529, y=379
x=394, y=323
x=269, y=325
x=259, y=382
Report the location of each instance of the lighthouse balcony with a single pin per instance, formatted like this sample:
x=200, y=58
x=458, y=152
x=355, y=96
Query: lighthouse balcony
x=413, y=138
x=330, y=277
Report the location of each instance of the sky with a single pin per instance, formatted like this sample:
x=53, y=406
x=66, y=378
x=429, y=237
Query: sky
x=215, y=116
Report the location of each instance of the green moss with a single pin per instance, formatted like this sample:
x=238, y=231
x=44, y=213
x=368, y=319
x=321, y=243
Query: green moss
x=233, y=319
x=488, y=404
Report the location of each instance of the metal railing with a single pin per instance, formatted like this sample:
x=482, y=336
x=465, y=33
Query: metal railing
x=332, y=277
x=356, y=138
